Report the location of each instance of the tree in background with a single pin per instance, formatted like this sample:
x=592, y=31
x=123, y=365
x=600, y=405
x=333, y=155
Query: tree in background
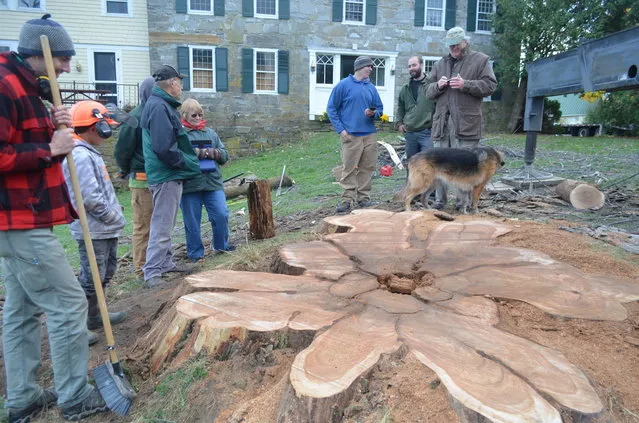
x=552, y=114
x=528, y=30
x=619, y=111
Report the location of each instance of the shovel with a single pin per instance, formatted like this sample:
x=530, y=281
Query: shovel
x=109, y=377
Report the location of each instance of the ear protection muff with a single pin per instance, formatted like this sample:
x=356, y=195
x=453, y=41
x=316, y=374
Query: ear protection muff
x=44, y=88
x=102, y=127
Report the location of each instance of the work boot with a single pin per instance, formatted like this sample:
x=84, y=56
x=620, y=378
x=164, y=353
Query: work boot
x=92, y=337
x=153, y=282
x=343, y=207
x=47, y=399
x=91, y=405
x=183, y=268
x=366, y=203
x=94, y=321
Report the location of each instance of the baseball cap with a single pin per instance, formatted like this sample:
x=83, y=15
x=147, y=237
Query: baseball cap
x=165, y=72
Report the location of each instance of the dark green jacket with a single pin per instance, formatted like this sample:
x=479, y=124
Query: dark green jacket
x=416, y=115
x=168, y=155
x=208, y=181
x=128, y=150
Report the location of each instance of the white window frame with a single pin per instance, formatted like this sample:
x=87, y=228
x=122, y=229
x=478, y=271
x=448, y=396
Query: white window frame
x=481, y=31
x=264, y=50
x=430, y=59
x=200, y=12
x=443, y=24
x=334, y=58
x=191, y=68
x=385, y=72
x=118, y=68
x=128, y=8
x=363, y=22
x=264, y=15
x=15, y=5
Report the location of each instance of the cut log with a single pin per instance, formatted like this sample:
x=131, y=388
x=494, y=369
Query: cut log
x=261, y=224
x=446, y=321
x=232, y=191
x=581, y=196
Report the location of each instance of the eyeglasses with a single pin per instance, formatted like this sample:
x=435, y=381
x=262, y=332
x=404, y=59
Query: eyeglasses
x=194, y=115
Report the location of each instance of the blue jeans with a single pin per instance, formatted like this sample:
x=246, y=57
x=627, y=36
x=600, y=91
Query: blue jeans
x=215, y=203
x=417, y=142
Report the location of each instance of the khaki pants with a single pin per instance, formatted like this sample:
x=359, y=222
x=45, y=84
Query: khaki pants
x=142, y=208
x=39, y=279
x=359, y=157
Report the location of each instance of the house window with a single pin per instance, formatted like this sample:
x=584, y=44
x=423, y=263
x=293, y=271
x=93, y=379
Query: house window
x=106, y=75
x=30, y=4
x=202, y=6
x=379, y=71
x=266, y=8
x=324, y=69
x=435, y=13
x=354, y=10
x=119, y=7
x=3, y=3
x=202, y=69
x=429, y=63
x=485, y=12
x=265, y=71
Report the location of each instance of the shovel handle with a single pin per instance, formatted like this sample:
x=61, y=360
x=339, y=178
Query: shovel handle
x=75, y=183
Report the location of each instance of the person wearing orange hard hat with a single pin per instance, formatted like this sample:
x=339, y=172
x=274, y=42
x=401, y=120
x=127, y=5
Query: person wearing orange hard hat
x=92, y=125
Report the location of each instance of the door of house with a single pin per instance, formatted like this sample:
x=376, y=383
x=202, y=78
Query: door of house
x=106, y=71
x=328, y=67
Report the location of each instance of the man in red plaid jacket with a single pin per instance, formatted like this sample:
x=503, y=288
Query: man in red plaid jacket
x=33, y=198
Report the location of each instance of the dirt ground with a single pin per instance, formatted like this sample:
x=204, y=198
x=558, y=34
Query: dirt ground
x=246, y=386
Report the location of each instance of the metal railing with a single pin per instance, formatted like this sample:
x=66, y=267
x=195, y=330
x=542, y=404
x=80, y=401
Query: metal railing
x=125, y=96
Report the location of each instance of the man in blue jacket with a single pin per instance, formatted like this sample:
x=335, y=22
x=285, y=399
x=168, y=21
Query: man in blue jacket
x=353, y=106
x=168, y=160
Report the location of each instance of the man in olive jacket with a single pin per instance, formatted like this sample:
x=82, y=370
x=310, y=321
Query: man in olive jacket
x=415, y=109
x=459, y=83
x=169, y=159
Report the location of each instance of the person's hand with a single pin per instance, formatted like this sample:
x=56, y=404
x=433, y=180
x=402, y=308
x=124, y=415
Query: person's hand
x=210, y=153
x=443, y=82
x=368, y=112
x=61, y=116
x=343, y=133
x=197, y=152
x=62, y=142
x=402, y=128
x=457, y=82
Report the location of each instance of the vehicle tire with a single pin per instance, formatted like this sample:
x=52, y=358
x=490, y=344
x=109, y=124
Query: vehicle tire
x=583, y=132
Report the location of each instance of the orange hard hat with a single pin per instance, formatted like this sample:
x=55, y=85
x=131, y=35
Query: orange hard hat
x=88, y=112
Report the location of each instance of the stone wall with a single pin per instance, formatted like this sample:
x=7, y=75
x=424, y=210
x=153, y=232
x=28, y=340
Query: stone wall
x=249, y=121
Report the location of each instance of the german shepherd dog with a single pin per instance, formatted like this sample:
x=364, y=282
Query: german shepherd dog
x=468, y=170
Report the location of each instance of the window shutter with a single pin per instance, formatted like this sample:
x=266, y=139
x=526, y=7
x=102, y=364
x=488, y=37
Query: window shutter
x=247, y=70
x=371, y=12
x=451, y=14
x=471, y=17
x=285, y=9
x=180, y=6
x=221, y=69
x=282, y=72
x=218, y=7
x=420, y=12
x=183, y=66
x=247, y=9
x=338, y=5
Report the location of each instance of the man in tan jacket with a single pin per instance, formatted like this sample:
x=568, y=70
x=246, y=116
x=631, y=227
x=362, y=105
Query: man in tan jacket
x=459, y=82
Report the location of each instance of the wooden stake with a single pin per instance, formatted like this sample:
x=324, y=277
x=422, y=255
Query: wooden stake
x=261, y=225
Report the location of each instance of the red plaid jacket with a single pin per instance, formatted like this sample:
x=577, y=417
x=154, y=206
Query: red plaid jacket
x=33, y=193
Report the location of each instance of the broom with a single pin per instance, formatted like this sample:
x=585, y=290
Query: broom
x=109, y=378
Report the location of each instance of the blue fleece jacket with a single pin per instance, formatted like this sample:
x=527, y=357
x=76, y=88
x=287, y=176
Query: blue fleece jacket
x=347, y=103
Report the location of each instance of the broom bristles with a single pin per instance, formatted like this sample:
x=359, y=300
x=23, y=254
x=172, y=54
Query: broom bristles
x=117, y=392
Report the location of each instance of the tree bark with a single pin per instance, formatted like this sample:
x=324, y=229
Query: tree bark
x=518, y=106
x=261, y=225
x=237, y=190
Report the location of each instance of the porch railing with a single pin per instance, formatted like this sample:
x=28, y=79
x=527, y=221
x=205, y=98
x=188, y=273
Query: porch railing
x=125, y=96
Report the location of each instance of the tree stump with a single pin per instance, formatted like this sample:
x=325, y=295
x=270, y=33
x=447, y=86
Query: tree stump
x=448, y=322
x=581, y=196
x=237, y=190
x=261, y=224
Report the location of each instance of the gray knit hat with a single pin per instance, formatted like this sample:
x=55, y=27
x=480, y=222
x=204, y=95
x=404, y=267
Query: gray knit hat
x=362, y=61
x=59, y=40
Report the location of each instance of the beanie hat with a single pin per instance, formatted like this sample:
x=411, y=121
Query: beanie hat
x=59, y=40
x=455, y=36
x=362, y=61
